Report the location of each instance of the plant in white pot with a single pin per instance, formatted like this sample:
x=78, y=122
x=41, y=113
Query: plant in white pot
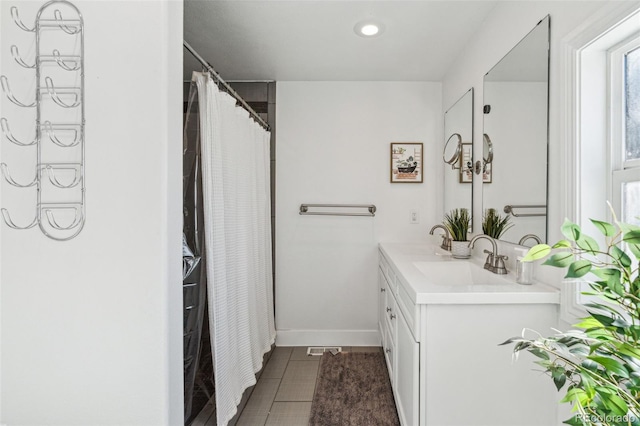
x=598, y=363
x=457, y=221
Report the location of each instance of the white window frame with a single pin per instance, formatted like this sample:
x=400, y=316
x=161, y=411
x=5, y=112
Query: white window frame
x=622, y=170
x=579, y=52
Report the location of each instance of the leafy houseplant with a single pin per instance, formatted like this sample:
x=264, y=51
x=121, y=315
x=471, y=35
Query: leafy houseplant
x=494, y=225
x=457, y=221
x=597, y=364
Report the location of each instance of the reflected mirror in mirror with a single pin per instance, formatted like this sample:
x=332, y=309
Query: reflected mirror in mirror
x=457, y=154
x=516, y=137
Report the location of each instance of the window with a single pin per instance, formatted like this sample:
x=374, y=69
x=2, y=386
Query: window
x=632, y=103
x=600, y=126
x=624, y=98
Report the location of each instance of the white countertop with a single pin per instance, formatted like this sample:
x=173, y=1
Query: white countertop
x=424, y=288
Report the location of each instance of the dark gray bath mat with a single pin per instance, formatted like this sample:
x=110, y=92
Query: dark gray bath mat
x=353, y=389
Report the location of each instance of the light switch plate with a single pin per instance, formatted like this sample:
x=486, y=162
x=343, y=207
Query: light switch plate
x=414, y=218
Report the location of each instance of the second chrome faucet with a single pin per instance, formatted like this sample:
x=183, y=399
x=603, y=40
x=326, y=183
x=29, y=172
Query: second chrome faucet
x=495, y=262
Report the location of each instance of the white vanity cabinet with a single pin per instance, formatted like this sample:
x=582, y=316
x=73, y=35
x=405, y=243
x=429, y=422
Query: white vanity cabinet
x=402, y=351
x=407, y=377
x=441, y=346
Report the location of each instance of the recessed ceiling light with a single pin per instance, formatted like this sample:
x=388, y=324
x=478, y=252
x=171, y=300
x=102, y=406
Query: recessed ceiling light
x=368, y=28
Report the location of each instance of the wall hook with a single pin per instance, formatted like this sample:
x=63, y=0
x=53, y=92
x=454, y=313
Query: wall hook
x=78, y=218
x=10, y=224
x=18, y=22
x=69, y=30
x=4, y=124
x=7, y=91
x=18, y=59
x=62, y=60
x=8, y=178
x=51, y=133
x=77, y=175
x=55, y=94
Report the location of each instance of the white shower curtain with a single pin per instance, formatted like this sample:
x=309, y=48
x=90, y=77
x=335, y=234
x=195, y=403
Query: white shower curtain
x=237, y=208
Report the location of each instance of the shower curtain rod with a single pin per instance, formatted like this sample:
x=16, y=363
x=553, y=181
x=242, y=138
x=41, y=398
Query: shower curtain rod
x=229, y=89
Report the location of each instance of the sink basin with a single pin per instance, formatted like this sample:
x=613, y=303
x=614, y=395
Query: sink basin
x=459, y=273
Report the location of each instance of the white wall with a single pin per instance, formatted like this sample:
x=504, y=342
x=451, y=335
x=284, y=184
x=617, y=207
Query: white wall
x=92, y=328
x=333, y=147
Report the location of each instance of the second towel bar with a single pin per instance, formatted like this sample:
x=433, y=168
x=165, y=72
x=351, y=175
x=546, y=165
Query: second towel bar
x=508, y=209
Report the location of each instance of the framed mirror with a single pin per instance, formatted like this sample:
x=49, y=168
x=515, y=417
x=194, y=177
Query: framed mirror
x=515, y=137
x=457, y=154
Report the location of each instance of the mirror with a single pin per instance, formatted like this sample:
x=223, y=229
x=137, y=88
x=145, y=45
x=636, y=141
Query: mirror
x=514, y=164
x=457, y=154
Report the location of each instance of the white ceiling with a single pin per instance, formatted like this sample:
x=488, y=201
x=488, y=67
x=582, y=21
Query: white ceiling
x=314, y=40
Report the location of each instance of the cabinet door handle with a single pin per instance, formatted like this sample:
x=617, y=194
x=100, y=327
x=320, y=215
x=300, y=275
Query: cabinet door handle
x=392, y=316
x=388, y=309
x=382, y=290
x=388, y=350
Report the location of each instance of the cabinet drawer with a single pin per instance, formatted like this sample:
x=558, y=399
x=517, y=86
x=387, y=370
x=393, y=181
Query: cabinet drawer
x=391, y=314
x=410, y=311
x=389, y=356
x=388, y=272
x=384, y=265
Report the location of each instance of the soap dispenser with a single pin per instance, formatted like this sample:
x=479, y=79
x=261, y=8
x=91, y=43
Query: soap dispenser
x=524, y=270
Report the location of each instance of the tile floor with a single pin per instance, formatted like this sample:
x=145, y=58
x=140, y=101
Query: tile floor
x=285, y=389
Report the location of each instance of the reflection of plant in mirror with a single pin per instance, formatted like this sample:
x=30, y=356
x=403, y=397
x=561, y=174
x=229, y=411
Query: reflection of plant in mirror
x=600, y=363
x=457, y=221
x=494, y=225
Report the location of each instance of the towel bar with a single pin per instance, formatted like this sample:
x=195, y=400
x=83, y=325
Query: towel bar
x=304, y=209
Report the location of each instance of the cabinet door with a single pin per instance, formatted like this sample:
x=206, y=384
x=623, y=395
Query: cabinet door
x=390, y=355
x=382, y=302
x=407, y=374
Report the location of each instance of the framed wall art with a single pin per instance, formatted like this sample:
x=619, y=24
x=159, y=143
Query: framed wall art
x=487, y=174
x=466, y=164
x=406, y=162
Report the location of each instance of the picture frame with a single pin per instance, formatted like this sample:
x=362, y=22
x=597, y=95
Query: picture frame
x=406, y=162
x=466, y=164
x=487, y=173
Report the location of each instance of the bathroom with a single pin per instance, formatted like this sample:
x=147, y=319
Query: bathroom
x=92, y=327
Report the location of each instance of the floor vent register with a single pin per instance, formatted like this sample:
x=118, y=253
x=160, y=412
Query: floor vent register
x=319, y=350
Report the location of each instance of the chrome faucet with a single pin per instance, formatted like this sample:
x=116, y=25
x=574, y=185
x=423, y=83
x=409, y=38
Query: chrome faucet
x=446, y=238
x=529, y=236
x=494, y=262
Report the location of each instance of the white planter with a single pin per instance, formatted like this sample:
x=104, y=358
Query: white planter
x=460, y=249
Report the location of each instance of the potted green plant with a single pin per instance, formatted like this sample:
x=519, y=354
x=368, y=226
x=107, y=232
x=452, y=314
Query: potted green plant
x=494, y=225
x=457, y=221
x=597, y=364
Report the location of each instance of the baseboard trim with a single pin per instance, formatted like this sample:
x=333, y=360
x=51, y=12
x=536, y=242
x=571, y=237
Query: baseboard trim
x=328, y=338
